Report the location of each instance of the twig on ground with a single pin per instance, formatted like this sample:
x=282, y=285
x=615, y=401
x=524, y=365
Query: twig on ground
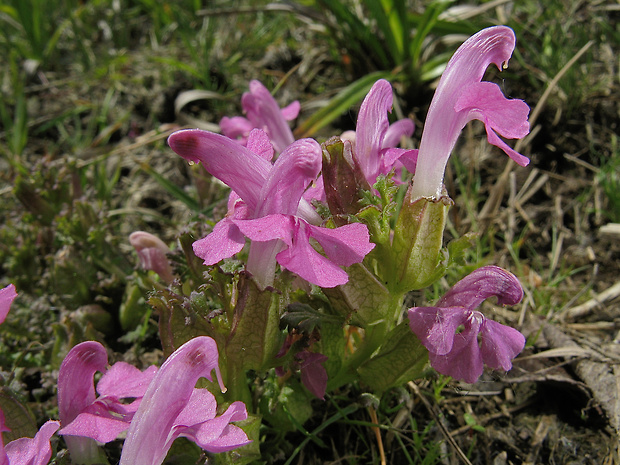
x=439, y=422
x=373, y=418
x=597, y=301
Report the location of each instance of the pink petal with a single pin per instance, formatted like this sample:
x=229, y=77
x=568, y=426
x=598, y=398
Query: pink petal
x=241, y=169
x=217, y=435
x=486, y=102
x=268, y=227
x=479, y=285
x=371, y=128
x=7, y=295
x=259, y=143
x=443, y=123
x=291, y=111
x=100, y=428
x=200, y=407
x=76, y=389
x=495, y=140
x=35, y=451
x=267, y=234
x=464, y=361
x=396, y=131
x=409, y=160
x=223, y=242
x=237, y=128
x=500, y=344
x=294, y=170
x=123, y=380
x=231, y=438
x=264, y=113
x=316, y=191
x=345, y=245
x=170, y=390
x=464, y=364
x=152, y=252
x=303, y=260
x=436, y=327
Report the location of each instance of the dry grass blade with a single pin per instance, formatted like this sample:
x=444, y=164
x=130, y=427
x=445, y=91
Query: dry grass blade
x=598, y=300
x=185, y=98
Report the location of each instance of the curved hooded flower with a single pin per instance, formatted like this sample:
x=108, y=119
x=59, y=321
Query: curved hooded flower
x=461, y=354
x=375, y=140
x=173, y=407
x=152, y=253
x=263, y=112
x=86, y=417
x=461, y=97
x=268, y=208
x=7, y=295
x=28, y=451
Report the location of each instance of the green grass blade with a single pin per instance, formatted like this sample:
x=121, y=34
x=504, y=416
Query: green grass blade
x=425, y=26
x=341, y=414
x=172, y=188
x=358, y=38
x=348, y=96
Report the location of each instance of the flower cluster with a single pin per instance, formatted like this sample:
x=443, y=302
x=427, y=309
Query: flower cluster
x=335, y=277
x=156, y=406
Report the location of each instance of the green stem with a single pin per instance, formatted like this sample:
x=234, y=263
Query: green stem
x=374, y=336
x=237, y=384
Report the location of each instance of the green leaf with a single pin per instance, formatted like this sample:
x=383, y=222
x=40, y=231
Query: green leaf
x=256, y=336
x=305, y=318
x=18, y=416
x=400, y=359
x=417, y=244
x=363, y=300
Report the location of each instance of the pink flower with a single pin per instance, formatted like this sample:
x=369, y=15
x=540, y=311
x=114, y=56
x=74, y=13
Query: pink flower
x=263, y=113
x=152, y=253
x=173, y=407
x=461, y=97
x=7, y=295
x=87, y=417
x=375, y=139
x=268, y=208
x=461, y=354
x=28, y=451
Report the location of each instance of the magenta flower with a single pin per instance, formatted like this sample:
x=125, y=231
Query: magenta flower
x=87, y=418
x=461, y=97
x=375, y=139
x=313, y=374
x=7, y=295
x=28, y=451
x=460, y=339
x=268, y=208
x=263, y=113
x=173, y=407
